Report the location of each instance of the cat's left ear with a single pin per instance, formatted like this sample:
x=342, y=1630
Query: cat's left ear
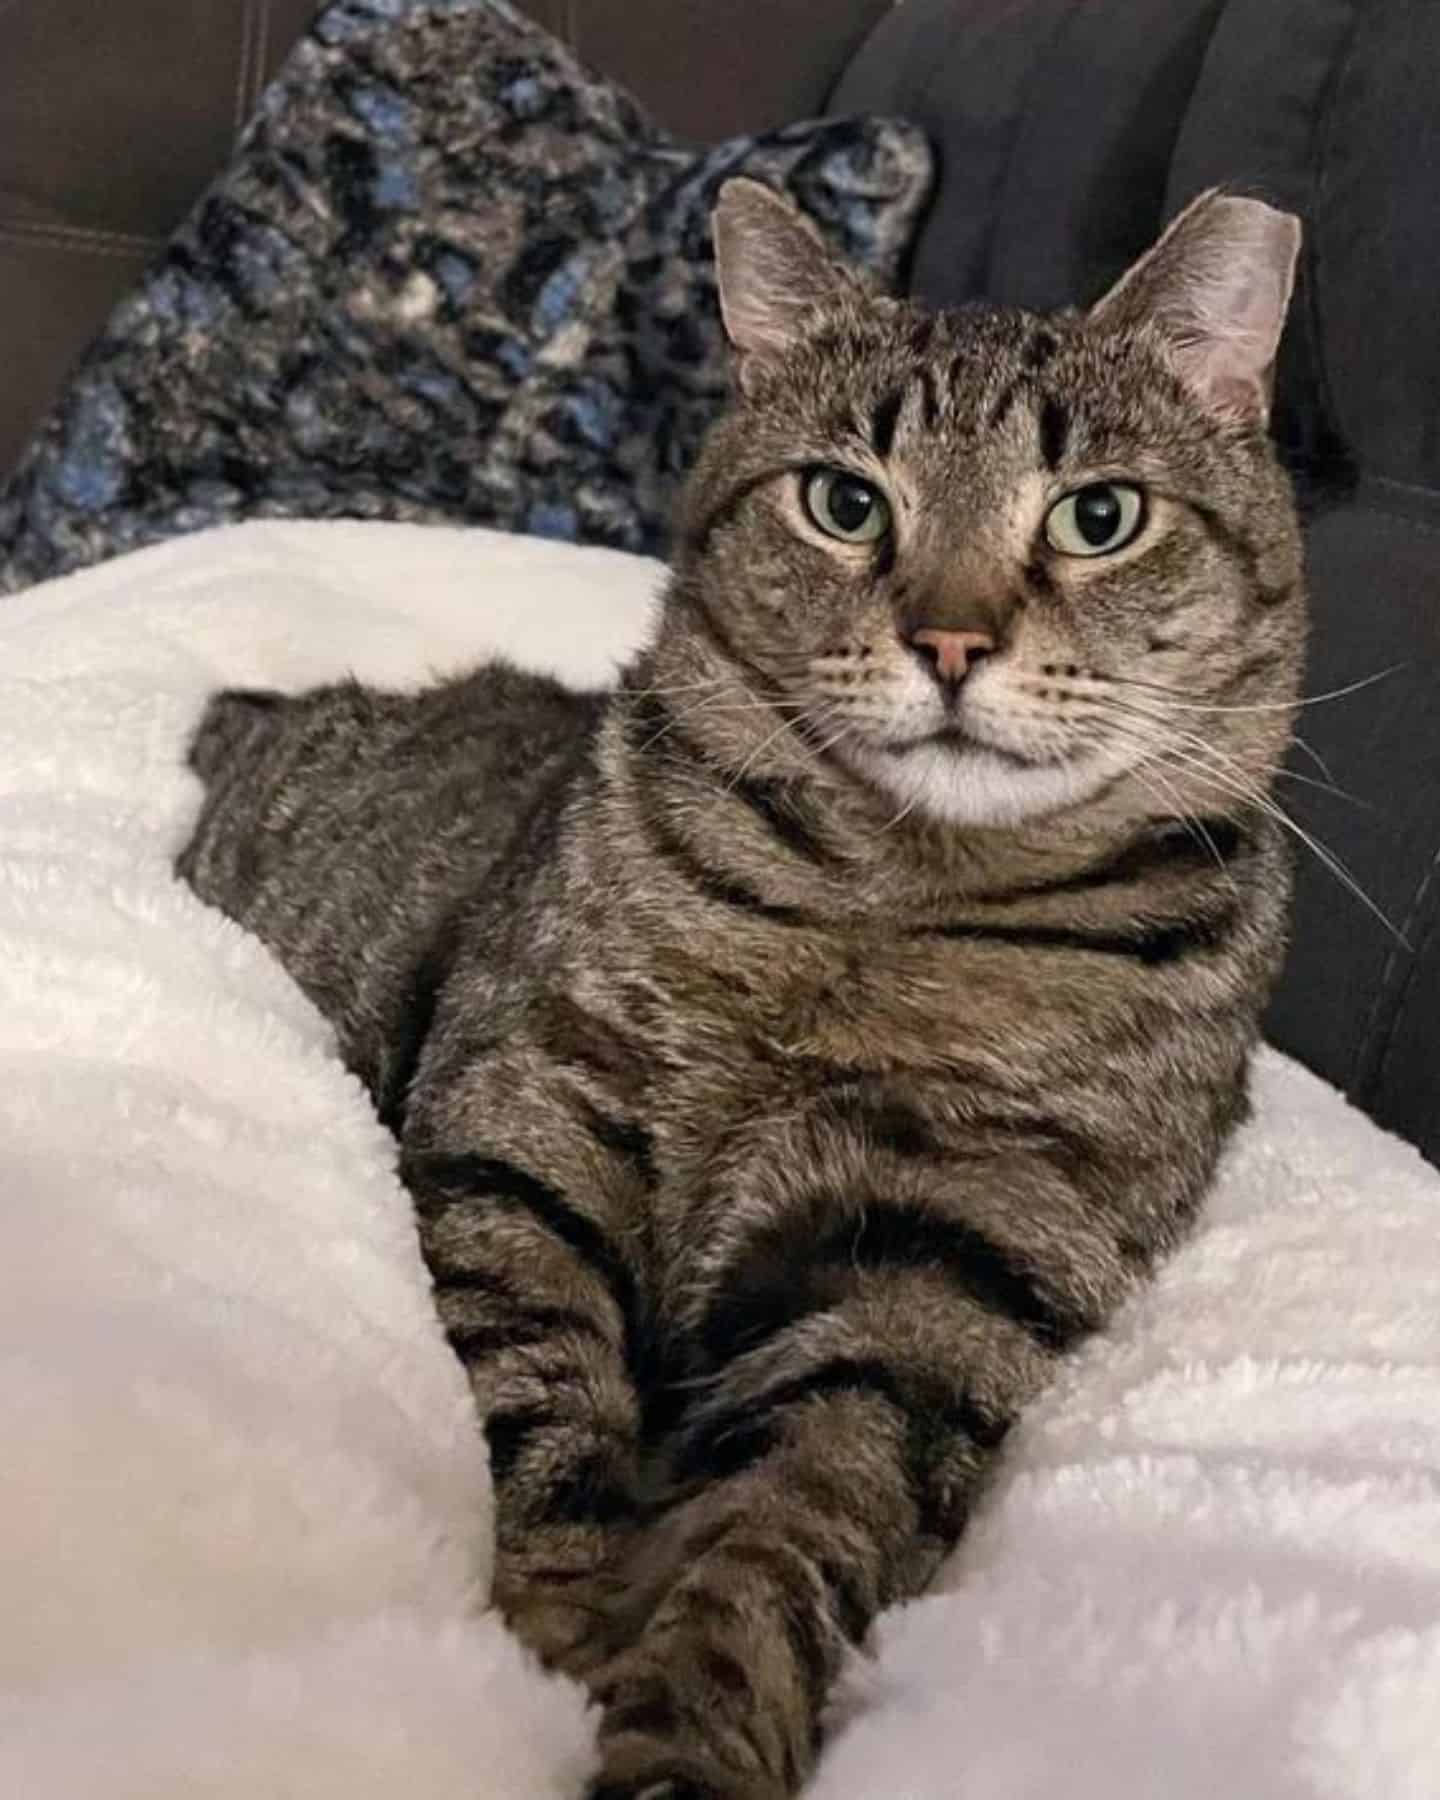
x=773, y=269
x=1217, y=285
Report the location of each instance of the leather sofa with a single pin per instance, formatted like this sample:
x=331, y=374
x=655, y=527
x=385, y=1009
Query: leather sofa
x=1066, y=134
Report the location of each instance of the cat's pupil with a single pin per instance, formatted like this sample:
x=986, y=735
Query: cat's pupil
x=1097, y=514
x=850, y=504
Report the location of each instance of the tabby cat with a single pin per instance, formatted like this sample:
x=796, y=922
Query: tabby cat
x=797, y=1050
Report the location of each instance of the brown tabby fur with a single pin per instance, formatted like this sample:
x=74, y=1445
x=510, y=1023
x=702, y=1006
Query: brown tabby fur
x=774, y=1122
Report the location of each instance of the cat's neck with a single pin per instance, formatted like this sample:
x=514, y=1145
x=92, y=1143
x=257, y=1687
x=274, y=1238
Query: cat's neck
x=748, y=772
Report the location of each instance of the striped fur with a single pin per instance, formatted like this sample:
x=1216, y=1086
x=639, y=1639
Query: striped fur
x=771, y=1140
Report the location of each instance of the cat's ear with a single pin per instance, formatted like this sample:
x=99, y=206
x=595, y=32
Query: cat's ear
x=773, y=270
x=1217, y=285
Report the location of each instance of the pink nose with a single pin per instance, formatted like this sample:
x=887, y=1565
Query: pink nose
x=950, y=653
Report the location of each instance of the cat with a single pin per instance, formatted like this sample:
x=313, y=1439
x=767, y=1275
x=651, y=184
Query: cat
x=797, y=1050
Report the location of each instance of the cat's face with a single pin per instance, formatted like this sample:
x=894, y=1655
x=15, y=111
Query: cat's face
x=992, y=562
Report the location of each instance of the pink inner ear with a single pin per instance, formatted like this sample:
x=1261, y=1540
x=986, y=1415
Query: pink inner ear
x=1217, y=285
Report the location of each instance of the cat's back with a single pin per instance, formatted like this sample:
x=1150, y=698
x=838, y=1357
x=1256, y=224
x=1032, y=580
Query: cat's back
x=350, y=827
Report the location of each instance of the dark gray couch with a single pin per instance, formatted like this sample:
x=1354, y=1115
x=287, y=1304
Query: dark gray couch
x=1067, y=134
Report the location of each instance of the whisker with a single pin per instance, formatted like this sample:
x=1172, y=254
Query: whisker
x=1242, y=789
x=1131, y=710
x=1181, y=705
x=1314, y=755
x=1167, y=795
x=1229, y=778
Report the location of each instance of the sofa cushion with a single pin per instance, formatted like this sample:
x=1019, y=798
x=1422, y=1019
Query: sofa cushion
x=451, y=275
x=1329, y=107
x=1053, y=126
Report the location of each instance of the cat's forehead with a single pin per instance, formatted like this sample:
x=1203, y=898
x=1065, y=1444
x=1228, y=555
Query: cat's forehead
x=971, y=366
x=982, y=391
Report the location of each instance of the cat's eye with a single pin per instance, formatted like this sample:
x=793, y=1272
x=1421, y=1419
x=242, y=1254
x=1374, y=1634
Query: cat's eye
x=1095, y=520
x=845, y=506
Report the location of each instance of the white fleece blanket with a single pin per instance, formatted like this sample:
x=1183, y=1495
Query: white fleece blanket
x=243, y=1506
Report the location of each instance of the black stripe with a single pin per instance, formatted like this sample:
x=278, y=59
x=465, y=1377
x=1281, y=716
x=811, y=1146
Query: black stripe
x=894, y=1233
x=883, y=421
x=667, y=844
x=885, y=555
x=653, y=1713
x=720, y=1442
x=580, y=1039
x=726, y=510
x=1166, y=848
x=1234, y=546
x=623, y=1137
x=886, y=1123
x=793, y=1268
x=1153, y=945
x=589, y=1491
x=853, y=1609
x=1040, y=349
x=929, y=399
x=527, y=1326
x=1054, y=431
x=811, y=1646
x=1076, y=1153
x=416, y=1016
x=436, y=1178
x=1038, y=577
x=648, y=721
x=724, y=1670
x=508, y=1431
x=463, y=1276
x=1003, y=405
x=773, y=803
x=1264, y=662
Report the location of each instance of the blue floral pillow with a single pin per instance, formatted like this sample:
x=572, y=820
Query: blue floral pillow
x=451, y=276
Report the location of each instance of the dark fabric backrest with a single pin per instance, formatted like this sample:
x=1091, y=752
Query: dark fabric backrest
x=708, y=69
x=1068, y=134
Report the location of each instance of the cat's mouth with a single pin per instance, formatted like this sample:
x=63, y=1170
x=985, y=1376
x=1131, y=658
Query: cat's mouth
x=959, y=741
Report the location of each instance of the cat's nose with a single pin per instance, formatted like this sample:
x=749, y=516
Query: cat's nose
x=950, y=653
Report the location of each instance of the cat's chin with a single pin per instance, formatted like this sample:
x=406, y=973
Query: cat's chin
x=962, y=782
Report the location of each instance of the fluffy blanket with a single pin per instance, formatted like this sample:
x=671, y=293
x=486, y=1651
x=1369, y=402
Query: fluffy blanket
x=244, y=1511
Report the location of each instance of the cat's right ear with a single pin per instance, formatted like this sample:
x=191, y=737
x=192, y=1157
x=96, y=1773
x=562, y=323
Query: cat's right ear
x=773, y=271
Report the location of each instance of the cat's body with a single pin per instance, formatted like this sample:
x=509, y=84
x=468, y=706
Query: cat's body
x=780, y=1105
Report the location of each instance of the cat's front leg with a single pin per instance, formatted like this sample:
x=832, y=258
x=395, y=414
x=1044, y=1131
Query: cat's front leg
x=830, y=1474
x=540, y=1301
x=866, y=1356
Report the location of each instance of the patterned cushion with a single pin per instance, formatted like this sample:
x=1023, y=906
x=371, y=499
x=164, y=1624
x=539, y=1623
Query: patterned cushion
x=450, y=276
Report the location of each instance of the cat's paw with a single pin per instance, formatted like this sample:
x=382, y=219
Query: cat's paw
x=647, y=1756
x=658, y=1786
x=668, y=1787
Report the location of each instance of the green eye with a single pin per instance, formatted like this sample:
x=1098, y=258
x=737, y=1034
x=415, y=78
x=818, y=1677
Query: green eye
x=845, y=506
x=1095, y=520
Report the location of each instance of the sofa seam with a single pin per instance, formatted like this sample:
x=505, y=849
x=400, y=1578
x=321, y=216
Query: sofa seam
x=241, y=104
x=1320, y=160
x=80, y=239
x=1417, y=954
x=1017, y=133
x=262, y=51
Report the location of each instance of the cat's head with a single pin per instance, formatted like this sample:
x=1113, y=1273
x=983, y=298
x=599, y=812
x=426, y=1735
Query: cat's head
x=992, y=563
